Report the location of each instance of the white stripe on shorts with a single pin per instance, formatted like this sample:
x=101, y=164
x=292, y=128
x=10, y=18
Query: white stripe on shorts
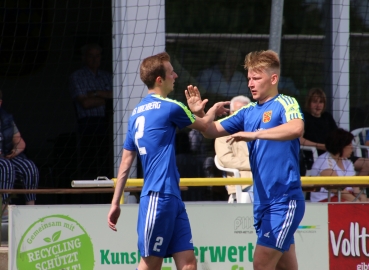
x=150, y=220
x=287, y=223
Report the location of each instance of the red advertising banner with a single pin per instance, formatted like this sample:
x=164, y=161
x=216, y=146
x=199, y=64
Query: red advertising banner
x=348, y=232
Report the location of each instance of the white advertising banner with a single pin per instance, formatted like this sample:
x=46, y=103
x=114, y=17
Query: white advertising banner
x=72, y=237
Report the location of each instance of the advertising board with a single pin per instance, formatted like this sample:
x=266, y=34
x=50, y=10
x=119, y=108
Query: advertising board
x=349, y=236
x=72, y=237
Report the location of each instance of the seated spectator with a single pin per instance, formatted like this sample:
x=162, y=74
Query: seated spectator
x=203, y=149
x=184, y=79
x=235, y=155
x=318, y=124
x=197, y=143
x=14, y=164
x=189, y=167
x=209, y=167
x=223, y=81
x=184, y=157
x=336, y=162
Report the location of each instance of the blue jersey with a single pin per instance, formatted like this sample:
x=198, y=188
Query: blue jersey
x=274, y=164
x=151, y=132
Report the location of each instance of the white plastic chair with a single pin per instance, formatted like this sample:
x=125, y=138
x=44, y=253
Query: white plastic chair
x=360, y=150
x=315, y=155
x=314, y=150
x=241, y=197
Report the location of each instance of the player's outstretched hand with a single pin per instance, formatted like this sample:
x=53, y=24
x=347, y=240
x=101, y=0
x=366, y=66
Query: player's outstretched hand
x=221, y=110
x=113, y=216
x=194, y=101
x=242, y=136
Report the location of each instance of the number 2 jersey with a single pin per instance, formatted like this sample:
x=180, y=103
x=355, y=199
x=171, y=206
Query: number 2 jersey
x=274, y=164
x=151, y=133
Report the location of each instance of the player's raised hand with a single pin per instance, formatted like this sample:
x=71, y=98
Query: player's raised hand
x=194, y=101
x=221, y=109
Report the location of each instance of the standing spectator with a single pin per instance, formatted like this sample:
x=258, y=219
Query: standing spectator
x=223, y=81
x=336, y=162
x=235, y=155
x=287, y=86
x=271, y=127
x=318, y=124
x=14, y=163
x=91, y=91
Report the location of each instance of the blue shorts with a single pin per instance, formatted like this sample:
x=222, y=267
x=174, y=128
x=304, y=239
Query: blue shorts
x=163, y=226
x=277, y=222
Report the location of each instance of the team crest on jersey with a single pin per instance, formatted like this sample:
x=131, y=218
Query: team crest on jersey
x=267, y=116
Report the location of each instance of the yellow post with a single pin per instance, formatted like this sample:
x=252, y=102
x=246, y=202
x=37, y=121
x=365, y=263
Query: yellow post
x=115, y=184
